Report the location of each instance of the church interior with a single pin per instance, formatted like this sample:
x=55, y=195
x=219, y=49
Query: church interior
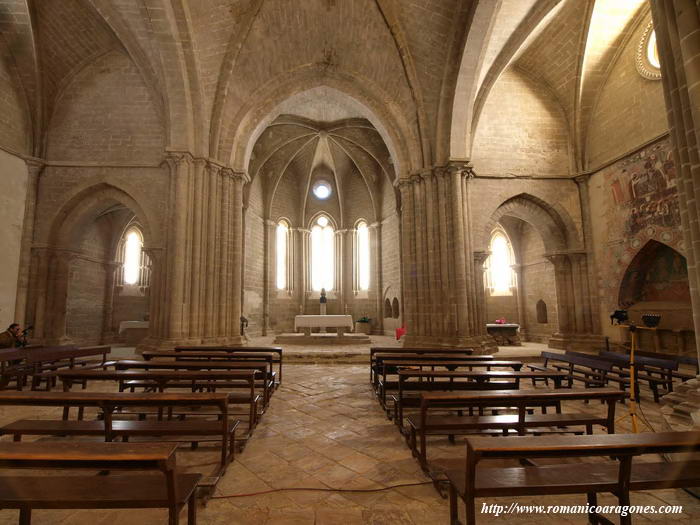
x=491, y=203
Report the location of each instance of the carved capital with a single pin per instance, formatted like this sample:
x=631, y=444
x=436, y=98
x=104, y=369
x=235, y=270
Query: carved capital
x=35, y=166
x=175, y=159
x=480, y=257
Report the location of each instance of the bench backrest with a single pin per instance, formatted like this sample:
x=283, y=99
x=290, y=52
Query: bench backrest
x=580, y=360
x=681, y=359
x=640, y=360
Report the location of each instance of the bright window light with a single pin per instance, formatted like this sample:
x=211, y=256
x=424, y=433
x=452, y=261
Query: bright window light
x=132, y=258
x=322, y=190
x=363, y=255
x=653, y=51
x=501, y=273
x=282, y=232
x=322, y=255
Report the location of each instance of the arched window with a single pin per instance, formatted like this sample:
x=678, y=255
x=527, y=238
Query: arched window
x=282, y=254
x=541, y=308
x=322, y=255
x=362, y=258
x=500, y=275
x=132, y=260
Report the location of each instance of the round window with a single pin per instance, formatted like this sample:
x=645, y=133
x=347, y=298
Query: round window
x=322, y=190
x=647, y=58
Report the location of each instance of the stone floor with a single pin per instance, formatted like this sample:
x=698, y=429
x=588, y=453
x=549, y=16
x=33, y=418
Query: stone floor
x=324, y=429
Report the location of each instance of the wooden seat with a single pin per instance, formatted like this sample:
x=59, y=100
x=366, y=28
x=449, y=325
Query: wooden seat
x=619, y=476
x=163, y=487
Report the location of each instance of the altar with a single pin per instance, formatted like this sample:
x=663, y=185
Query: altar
x=506, y=334
x=307, y=322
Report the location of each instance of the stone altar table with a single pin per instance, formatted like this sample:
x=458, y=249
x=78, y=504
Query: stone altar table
x=307, y=322
x=505, y=334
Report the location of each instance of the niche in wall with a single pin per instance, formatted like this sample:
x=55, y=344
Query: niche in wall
x=541, y=308
x=395, y=308
x=656, y=281
x=387, y=308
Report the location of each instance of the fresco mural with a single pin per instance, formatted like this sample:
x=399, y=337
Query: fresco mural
x=640, y=204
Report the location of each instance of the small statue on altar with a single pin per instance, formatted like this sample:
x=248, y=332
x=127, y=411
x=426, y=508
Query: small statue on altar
x=323, y=301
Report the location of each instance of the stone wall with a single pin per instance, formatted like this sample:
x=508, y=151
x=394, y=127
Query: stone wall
x=629, y=111
x=13, y=173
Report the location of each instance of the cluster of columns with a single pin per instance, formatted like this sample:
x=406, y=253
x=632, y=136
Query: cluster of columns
x=442, y=285
x=196, y=282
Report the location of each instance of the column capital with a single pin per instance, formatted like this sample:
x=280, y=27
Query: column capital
x=178, y=158
x=582, y=178
x=481, y=256
x=35, y=166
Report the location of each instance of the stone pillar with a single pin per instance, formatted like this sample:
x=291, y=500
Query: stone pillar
x=677, y=24
x=441, y=296
x=270, y=268
x=522, y=314
x=237, y=179
x=157, y=298
x=591, y=276
x=209, y=239
x=376, y=285
x=227, y=298
x=108, y=333
x=34, y=169
x=179, y=164
x=479, y=286
x=198, y=248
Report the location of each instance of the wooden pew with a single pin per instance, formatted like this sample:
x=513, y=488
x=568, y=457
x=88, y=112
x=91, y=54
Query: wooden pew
x=680, y=359
x=417, y=351
x=423, y=424
x=377, y=367
x=275, y=350
x=11, y=367
x=109, y=403
x=392, y=367
x=643, y=367
x=263, y=369
x=417, y=381
x=96, y=492
x=169, y=379
x=619, y=476
x=43, y=359
x=586, y=369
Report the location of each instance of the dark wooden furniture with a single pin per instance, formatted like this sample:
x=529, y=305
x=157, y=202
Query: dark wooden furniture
x=414, y=382
x=373, y=351
x=680, y=359
x=393, y=366
x=585, y=369
x=110, y=403
x=276, y=350
x=423, y=424
x=209, y=380
x=88, y=491
x=619, y=476
x=656, y=372
x=263, y=369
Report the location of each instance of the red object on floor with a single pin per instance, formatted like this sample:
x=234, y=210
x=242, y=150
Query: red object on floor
x=399, y=332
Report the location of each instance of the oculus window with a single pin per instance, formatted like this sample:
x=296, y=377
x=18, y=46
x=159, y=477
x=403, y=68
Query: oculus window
x=647, y=57
x=322, y=255
x=322, y=190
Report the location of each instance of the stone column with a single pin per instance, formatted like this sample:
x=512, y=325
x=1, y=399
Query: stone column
x=522, y=314
x=179, y=164
x=227, y=298
x=198, y=253
x=440, y=293
x=238, y=180
x=677, y=24
x=34, y=169
x=592, y=299
x=157, y=298
x=376, y=285
x=108, y=333
x=479, y=260
x=270, y=268
x=209, y=241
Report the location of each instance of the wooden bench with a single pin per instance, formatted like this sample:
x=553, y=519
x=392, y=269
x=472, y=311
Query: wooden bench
x=373, y=351
x=275, y=350
x=423, y=424
x=416, y=382
x=618, y=477
x=91, y=491
x=645, y=367
x=263, y=370
x=680, y=359
x=377, y=366
x=43, y=359
x=591, y=372
x=392, y=367
x=209, y=380
x=109, y=404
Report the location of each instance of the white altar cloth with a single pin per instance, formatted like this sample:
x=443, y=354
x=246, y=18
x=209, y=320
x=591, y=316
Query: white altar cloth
x=322, y=321
x=125, y=325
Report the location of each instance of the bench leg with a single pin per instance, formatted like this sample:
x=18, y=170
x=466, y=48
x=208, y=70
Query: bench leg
x=25, y=516
x=592, y=498
x=192, y=510
x=454, y=515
